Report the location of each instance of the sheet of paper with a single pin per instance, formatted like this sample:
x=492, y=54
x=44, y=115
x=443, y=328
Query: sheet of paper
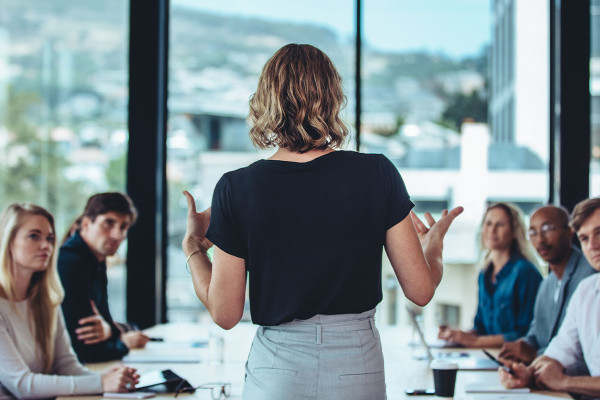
x=481, y=387
x=511, y=396
x=161, y=358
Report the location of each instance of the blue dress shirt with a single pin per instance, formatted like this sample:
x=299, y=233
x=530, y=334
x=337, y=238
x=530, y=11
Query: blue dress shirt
x=506, y=306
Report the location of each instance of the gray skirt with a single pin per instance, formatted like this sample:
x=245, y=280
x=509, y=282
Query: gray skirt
x=325, y=357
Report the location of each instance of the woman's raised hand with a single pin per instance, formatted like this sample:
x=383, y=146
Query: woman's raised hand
x=434, y=235
x=197, y=225
x=432, y=238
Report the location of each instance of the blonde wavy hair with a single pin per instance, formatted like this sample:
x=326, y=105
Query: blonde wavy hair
x=298, y=101
x=520, y=245
x=45, y=292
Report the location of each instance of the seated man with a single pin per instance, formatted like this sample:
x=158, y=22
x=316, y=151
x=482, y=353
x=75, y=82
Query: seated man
x=577, y=338
x=82, y=267
x=550, y=234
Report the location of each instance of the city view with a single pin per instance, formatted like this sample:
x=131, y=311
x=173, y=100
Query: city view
x=443, y=117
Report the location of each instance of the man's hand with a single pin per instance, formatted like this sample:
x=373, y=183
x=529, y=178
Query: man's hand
x=548, y=373
x=522, y=378
x=134, y=339
x=94, y=329
x=518, y=351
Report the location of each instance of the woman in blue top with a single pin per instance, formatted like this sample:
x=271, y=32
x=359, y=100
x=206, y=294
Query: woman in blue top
x=308, y=226
x=507, y=285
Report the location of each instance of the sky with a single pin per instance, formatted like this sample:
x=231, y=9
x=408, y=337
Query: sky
x=456, y=27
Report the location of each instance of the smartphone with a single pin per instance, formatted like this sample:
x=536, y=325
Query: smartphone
x=504, y=367
x=420, y=392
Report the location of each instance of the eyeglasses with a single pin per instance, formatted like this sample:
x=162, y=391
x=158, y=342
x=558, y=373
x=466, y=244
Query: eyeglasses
x=218, y=390
x=544, y=229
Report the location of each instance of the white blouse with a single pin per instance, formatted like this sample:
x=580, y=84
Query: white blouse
x=21, y=364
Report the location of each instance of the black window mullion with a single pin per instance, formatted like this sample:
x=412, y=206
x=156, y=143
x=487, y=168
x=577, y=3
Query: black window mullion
x=146, y=162
x=570, y=102
x=357, y=80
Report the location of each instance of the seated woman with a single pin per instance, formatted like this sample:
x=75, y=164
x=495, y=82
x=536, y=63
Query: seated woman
x=37, y=358
x=507, y=285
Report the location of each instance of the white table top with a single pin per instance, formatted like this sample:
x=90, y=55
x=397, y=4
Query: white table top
x=402, y=370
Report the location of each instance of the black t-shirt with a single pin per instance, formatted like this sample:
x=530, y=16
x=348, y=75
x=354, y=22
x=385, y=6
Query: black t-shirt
x=311, y=233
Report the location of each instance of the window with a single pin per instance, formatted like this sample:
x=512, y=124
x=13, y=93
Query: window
x=595, y=97
x=217, y=51
x=456, y=95
x=63, y=109
x=63, y=103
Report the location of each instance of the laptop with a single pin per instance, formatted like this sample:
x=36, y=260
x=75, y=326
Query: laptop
x=465, y=361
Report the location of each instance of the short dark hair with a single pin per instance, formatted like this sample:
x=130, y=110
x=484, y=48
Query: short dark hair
x=582, y=212
x=103, y=203
x=298, y=101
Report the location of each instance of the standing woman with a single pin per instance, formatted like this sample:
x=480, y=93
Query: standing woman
x=508, y=283
x=37, y=358
x=308, y=225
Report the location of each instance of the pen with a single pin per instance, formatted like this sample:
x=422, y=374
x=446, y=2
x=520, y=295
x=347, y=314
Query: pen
x=504, y=367
x=157, y=339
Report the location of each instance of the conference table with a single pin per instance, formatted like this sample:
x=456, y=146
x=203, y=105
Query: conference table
x=203, y=353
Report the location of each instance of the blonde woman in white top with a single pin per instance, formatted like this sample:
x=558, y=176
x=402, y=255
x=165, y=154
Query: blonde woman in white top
x=37, y=358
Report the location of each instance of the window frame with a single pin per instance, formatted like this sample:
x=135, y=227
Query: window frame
x=569, y=132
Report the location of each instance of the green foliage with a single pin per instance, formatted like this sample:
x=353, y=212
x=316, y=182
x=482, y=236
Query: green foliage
x=115, y=173
x=32, y=168
x=464, y=106
x=393, y=130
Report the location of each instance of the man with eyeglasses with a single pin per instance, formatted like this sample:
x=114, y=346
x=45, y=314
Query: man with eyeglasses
x=550, y=234
x=578, y=336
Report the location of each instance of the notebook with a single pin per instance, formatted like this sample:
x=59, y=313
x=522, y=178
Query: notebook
x=465, y=362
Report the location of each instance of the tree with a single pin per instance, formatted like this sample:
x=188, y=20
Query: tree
x=462, y=106
x=32, y=167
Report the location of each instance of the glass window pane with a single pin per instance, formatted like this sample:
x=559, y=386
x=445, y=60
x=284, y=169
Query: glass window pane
x=63, y=109
x=595, y=97
x=455, y=93
x=217, y=51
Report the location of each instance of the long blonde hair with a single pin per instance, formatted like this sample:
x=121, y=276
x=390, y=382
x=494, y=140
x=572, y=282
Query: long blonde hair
x=45, y=292
x=519, y=245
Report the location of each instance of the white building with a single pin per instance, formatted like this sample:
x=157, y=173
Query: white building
x=519, y=74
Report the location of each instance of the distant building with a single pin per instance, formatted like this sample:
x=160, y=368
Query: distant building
x=519, y=74
x=595, y=78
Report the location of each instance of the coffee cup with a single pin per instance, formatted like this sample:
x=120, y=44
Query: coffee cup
x=444, y=377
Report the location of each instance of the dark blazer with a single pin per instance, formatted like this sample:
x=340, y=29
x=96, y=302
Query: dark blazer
x=84, y=279
x=549, y=313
